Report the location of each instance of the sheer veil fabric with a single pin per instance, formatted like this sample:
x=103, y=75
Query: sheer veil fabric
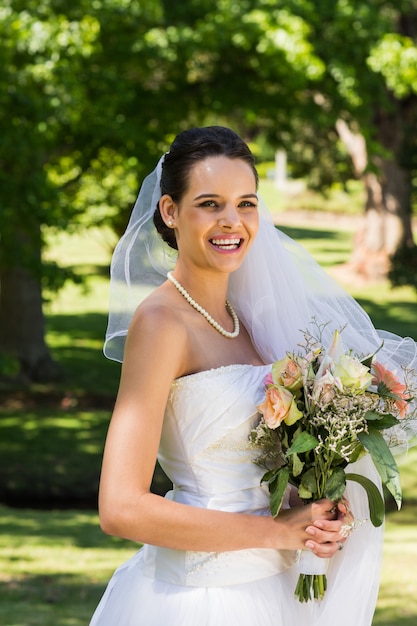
x=277, y=292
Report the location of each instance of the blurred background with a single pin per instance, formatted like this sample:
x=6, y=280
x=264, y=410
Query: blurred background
x=91, y=93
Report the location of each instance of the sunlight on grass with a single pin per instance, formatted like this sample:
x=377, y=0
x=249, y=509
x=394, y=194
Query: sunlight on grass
x=90, y=246
x=92, y=297
x=327, y=246
x=392, y=309
x=54, y=566
x=349, y=201
x=89, y=251
x=408, y=470
x=397, y=603
x=88, y=298
x=275, y=200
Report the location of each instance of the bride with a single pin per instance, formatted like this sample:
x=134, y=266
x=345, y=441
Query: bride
x=234, y=295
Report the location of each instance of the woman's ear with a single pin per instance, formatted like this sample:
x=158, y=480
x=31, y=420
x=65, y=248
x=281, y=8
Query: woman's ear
x=168, y=210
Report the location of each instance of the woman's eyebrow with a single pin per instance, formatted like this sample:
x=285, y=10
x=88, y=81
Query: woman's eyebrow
x=216, y=195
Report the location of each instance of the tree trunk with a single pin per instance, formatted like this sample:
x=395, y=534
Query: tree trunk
x=370, y=255
x=386, y=226
x=22, y=328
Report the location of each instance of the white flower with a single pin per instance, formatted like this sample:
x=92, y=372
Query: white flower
x=325, y=387
x=352, y=373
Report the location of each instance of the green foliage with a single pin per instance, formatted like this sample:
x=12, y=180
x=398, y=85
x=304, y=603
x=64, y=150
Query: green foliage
x=68, y=82
x=375, y=501
x=395, y=58
x=335, y=485
x=92, y=92
x=277, y=487
x=385, y=463
x=9, y=366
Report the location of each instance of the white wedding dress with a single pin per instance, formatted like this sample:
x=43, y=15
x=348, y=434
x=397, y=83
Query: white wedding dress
x=206, y=452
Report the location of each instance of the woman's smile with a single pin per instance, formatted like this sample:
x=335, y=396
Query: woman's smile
x=226, y=244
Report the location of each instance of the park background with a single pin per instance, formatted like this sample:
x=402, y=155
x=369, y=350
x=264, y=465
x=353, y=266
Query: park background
x=91, y=93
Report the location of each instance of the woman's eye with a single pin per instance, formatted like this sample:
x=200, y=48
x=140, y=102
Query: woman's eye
x=209, y=203
x=248, y=204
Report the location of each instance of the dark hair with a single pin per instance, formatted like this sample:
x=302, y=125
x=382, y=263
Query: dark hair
x=188, y=148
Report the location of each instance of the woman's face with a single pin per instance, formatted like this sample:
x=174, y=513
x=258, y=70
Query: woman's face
x=216, y=221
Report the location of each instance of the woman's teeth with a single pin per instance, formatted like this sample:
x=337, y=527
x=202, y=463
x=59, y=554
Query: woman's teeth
x=226, y=244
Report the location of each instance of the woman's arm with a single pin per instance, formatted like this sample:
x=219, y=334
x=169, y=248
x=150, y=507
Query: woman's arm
x=155, y=355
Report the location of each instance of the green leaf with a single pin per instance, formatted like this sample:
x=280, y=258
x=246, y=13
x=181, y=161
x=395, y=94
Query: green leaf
x=297, y=465
x=386, y=392
x=367, y=361
x=304, y=493
x=370, y=416
x=269, y=476
x=384, y=462
x=358, y=452
x=375, y=500
x=309, y=481
x=335, y=484
x=302, y=443
x=277, y=490
x=376, y=421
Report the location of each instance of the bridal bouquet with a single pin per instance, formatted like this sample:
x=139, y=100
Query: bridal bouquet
x=324, y=408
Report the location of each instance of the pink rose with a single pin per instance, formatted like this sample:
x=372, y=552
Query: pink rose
x=279, y=406
x=287, y=372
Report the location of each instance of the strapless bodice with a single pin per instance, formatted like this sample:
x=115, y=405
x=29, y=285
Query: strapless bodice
x=205, y=447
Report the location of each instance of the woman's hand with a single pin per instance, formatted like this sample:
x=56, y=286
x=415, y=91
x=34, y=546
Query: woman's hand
x=294, y=522
x=327, y=535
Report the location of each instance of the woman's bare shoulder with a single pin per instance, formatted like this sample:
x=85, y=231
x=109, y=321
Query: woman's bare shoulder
x=158, y=312
x=158, y=331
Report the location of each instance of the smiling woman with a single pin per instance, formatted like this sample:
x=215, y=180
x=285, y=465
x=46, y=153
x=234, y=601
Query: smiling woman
x=216, y=220
x=196, y=353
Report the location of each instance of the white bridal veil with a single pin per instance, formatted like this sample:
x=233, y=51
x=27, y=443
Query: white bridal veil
x=276, y=292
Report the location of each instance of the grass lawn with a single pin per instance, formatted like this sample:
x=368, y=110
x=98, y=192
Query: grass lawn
x=54, y=564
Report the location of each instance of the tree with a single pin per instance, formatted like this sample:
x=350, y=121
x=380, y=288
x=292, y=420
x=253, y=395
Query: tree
x=92, y=93
x=91, y=89
x=368, y=93
x=319, y=74
x=67, y=85
x=34, y=122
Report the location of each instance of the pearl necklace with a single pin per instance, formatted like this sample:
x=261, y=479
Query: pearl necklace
x=205, y=314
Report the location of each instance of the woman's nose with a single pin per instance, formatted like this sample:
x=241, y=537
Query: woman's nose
x=229, y=217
